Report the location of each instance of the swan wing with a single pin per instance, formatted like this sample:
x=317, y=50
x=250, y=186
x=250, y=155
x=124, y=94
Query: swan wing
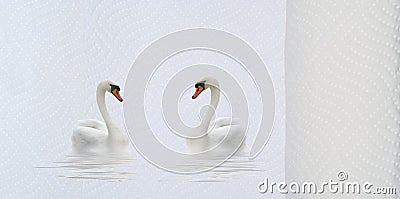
x=225, y=121
x=219, y=133
x=226, y=129
x=231, y=135
x=91, y=123
x=89, y=132
x=87, y=135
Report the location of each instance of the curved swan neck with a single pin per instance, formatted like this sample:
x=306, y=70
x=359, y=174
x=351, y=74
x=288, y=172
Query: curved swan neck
x=101, y=103
x=215, y=94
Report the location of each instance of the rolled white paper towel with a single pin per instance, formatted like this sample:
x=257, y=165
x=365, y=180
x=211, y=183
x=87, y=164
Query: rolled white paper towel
x=343, y=82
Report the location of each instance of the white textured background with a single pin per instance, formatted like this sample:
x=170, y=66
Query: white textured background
x=342, y=79
x=53, y=54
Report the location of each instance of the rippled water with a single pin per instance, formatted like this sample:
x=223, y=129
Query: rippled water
x=106, y=166
x=230, y=169
x=117, y=167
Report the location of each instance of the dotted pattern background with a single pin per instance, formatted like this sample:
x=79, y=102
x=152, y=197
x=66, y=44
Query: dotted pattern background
x=342, y=80
x=53, y=54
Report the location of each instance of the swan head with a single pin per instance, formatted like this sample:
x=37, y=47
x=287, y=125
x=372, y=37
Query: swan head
x=204, y=84
x=113, y=88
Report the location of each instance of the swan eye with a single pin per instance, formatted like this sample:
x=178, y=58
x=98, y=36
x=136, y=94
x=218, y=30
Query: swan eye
x=114, y=87
x=202, y=84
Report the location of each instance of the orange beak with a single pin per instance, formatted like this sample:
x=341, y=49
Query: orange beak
x=115, y=92
x=199, y=89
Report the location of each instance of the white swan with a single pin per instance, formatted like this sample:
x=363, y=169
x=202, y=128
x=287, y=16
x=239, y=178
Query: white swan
x=218, y=130
x=94, y=134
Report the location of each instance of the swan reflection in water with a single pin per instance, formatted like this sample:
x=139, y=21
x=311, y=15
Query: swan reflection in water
x=233, y=168
x=103, y=164
x=108, y=166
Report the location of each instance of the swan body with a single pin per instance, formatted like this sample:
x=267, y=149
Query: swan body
x=94, y=134
x=227, y=130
